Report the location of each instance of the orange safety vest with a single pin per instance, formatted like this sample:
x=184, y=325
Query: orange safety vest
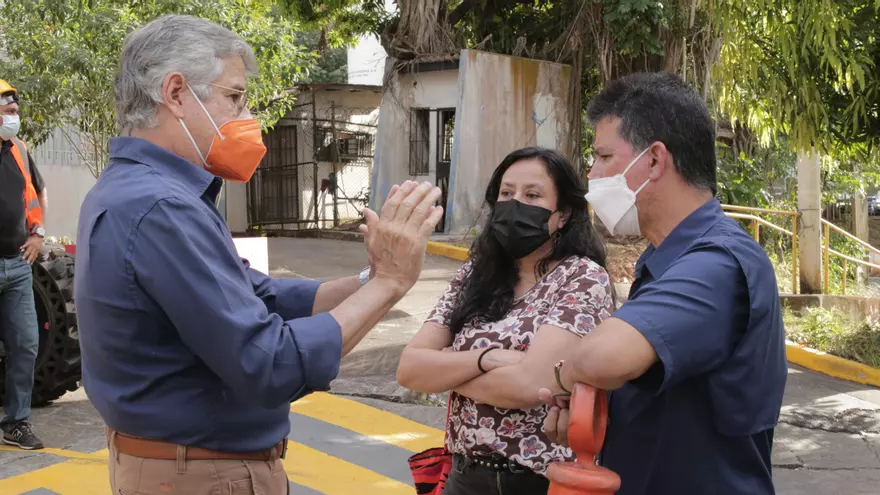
x=33, y=211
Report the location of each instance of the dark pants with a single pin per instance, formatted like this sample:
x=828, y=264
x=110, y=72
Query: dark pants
x=469, y=478
x=18, y=327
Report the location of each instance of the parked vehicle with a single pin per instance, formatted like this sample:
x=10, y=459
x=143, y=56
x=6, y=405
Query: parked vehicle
x=58, y=366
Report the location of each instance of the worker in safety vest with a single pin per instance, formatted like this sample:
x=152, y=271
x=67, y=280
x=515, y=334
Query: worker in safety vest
x=22, y=204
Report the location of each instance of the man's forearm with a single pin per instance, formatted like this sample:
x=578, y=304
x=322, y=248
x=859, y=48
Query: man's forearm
x=333, y=292
x=44, y=202
x=360, y=312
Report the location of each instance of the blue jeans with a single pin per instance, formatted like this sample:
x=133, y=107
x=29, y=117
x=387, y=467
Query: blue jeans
x=18, y=328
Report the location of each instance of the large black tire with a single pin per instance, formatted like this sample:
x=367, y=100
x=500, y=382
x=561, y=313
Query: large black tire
x=58, y=368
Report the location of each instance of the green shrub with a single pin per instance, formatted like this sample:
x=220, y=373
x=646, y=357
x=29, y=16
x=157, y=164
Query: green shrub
x=835, y=332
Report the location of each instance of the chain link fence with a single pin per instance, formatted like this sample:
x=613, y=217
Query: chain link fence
x=317, y=168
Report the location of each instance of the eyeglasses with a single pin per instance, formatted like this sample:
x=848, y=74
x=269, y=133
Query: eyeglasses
x=239, y=99
x=8, y=98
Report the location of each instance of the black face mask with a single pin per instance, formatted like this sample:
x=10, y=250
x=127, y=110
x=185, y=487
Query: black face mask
x=520, y=228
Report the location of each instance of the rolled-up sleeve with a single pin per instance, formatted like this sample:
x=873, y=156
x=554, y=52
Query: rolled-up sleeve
x=192, y=271
x=690, y=315
x=289, y=297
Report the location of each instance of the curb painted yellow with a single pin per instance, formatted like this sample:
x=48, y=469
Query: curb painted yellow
x=447, y=250
x=832, y=365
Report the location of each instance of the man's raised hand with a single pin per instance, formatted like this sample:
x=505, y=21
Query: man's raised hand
x=396, y=238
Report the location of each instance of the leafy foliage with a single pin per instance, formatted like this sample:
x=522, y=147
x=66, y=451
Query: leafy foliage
x=835, y=332
x=63, y=56
x=332, y=63
x=807, y=69
x=338, y=22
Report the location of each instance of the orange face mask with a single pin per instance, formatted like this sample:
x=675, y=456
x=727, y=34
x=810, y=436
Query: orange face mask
x=236, y=150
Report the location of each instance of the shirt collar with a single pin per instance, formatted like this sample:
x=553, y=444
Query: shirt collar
x=691, y=228
x=165, y=163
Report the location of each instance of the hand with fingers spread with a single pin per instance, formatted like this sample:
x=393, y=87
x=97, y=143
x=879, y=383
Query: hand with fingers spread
x=396, y=238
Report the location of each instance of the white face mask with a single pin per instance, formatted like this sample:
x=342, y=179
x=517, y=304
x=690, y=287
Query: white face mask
x=615, y=203
x=10, y=126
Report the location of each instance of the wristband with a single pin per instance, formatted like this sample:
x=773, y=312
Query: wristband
x=480, y=360
x=556, y=371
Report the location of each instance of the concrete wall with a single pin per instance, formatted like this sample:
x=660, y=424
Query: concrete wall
x=66, y=188
x=505, y=103
x=67, y=179
x=857, y=307
x=501, y=103
x=366, y=59
x=429, y=90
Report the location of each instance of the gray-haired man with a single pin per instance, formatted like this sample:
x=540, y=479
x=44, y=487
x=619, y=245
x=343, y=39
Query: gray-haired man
x=191, y=357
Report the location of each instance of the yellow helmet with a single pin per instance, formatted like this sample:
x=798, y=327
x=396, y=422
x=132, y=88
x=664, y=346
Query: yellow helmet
x=6, y=88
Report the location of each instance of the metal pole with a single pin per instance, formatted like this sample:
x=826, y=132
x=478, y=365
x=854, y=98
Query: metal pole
x=335, y=158
x=315, y=159
x=794, y=254
x=826, y=232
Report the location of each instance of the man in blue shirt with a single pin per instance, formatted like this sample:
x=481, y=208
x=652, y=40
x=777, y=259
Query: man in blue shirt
x=695, y=359
x=190, y=356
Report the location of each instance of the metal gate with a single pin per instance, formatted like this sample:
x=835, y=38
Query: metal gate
x=316, y=171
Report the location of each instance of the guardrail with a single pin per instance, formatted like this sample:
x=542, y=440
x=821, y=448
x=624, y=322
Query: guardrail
x=827, y=227
x=747, y=213
x=750, y=214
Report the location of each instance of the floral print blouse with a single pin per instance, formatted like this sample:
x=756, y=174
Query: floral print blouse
x=575, y=296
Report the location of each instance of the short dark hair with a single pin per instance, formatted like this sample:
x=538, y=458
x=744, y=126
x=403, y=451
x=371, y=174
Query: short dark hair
x=659, y=106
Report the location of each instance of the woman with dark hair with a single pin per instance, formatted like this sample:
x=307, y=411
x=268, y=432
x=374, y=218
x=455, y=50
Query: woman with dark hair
x=534, y=284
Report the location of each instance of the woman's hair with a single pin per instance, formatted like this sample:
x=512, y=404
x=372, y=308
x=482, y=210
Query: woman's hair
x=486, y=292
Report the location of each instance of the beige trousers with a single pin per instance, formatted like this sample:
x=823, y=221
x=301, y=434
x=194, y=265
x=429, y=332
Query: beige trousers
x=131, y=475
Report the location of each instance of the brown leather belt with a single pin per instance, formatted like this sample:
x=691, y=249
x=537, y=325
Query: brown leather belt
x=156, y=449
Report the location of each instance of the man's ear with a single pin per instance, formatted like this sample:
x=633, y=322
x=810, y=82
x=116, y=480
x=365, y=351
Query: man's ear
x=660, y=159
x=173, y=89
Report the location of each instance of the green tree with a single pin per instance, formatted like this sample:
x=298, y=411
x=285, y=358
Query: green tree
x=63, y=55
x=805, y=69
x=332, y=63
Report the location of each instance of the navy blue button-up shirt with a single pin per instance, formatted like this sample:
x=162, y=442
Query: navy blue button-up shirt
x=701, y=420
x=181, y=340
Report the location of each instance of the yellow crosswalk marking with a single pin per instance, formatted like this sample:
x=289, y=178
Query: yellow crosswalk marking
x=71, y=477
x=304, y=465
x=333, y=476
x=70, y=454
x=369, y=421
x=86, y=473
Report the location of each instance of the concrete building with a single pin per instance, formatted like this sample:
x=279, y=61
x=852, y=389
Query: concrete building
x=316, y=172
x=68, y=179
x=452, y=119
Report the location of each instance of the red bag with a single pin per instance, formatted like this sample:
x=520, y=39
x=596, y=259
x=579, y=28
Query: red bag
x=430, y=468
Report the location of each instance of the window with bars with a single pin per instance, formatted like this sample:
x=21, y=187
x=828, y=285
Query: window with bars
x=445, y=131
x=351, y=146
x=419, y=142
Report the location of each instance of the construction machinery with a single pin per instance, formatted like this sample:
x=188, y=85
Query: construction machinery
x=58, y=368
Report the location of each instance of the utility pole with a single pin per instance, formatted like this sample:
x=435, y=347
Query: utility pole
x=810, y=224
